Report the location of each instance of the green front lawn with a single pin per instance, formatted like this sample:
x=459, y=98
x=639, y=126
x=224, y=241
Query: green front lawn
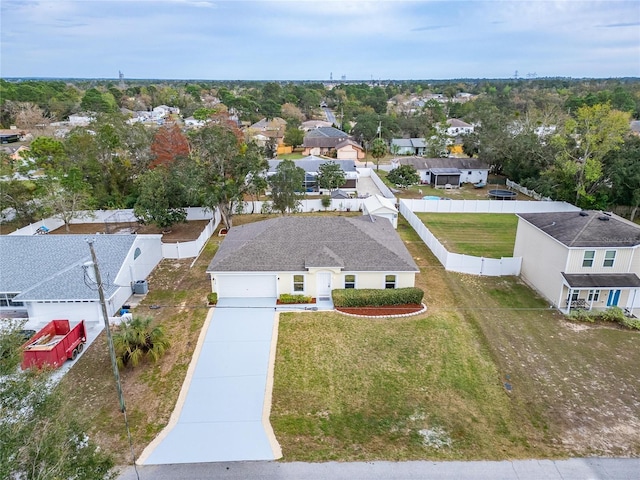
x=490, y=235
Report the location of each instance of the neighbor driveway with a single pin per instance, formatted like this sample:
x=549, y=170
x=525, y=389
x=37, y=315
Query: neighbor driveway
x=224, y=407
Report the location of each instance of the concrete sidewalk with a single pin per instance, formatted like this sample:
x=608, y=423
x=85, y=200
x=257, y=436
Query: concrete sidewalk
x=223, y=412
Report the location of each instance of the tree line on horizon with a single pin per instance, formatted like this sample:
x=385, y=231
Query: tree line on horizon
x=569, y=140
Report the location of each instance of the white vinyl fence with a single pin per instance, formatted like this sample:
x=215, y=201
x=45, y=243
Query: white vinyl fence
x=169, y=250
x=456, y=262
x=526, y=191
x=487, y=206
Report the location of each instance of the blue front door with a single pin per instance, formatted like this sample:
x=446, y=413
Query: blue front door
x=614, y=296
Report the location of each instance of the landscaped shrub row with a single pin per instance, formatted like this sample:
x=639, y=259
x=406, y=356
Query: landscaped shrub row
x=370, y=297
x=288, y=298
x=612, y=314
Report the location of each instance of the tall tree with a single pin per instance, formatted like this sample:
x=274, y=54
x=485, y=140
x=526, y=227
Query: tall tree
x=286, y=185
x=378, y=150
x=226, y=167
x=330, y=176
x=596, y=131
x=160, y=199
x=623, y=170
x=65, y=195
x=169, y=144
x=293, y=137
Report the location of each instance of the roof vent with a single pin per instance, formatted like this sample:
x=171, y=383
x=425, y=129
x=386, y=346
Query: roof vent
x=584, y=214
x=604, y=218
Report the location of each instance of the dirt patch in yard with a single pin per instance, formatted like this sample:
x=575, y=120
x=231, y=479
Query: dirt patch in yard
x=181, y=232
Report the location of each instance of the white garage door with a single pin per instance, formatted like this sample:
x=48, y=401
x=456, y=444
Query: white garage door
x=246, y=286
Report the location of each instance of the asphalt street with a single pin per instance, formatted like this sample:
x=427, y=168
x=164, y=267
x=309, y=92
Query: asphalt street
x=573, y=469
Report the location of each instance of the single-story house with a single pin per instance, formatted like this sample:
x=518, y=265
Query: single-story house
x=581, y=260
x=379, y=206
x=457, y=127
x=408, y=146
x=449, y=170
x=311, y=167
x=44, y=277
x=322, y=140
x=310, y=256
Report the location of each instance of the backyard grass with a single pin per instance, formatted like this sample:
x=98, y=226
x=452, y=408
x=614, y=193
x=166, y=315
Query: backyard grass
x=490, y=235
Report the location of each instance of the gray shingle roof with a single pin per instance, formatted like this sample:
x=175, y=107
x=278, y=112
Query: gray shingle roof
x=596, y=280
x=49, y=267
x=295, y=243
x=312, y=164
x=327, y=137
x=586, y=229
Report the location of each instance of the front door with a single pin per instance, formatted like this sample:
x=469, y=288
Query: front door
x=323, y=285
x=614, y=297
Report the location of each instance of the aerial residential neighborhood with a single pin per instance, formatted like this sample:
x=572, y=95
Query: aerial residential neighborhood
x=389, y=247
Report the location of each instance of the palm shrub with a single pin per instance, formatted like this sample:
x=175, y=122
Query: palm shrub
x=137, y=340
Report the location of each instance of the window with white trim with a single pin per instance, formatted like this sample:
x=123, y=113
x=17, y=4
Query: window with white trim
x=609, y=258
x=587, y=260
x=594, y=295
x=298, y=283
x=389, y=281
x=349, y=281
x=574, y=295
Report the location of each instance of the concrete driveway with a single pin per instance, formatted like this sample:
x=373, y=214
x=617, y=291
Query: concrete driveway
x=223, y=410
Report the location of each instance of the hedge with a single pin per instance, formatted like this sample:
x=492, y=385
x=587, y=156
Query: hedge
x=288, y=298
x=372, y=297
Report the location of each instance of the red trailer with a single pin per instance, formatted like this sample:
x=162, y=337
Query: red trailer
x=54, y=344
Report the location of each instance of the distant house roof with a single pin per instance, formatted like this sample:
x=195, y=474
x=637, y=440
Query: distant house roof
x=347, y=142
x=311, y=124
x=324, y=137
x=49, y=267
x=312, y=164
x=420, y=163
x=276, y=123
x=340, y=194
x=409, y=142
x=296, y=243
x=456, y=123
x=586, y=229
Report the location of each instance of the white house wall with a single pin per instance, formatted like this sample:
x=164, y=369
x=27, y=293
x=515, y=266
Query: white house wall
x=543, y=260
x=42, y=313
x=139, y=268
x=473, y=176
x=363, y=280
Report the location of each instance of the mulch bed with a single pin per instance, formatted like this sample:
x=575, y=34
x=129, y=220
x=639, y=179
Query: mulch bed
x=382, y=311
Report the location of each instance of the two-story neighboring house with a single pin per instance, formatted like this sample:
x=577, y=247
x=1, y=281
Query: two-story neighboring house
x=581, y=260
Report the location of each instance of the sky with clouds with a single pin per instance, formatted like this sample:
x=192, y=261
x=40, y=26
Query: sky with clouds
x=313, y=40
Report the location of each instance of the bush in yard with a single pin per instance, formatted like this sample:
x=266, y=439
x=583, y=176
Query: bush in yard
x=371, y=297
x=288, y=298
x=404, y=176
x=611, y=314
x=137, y=340
x=212, y=298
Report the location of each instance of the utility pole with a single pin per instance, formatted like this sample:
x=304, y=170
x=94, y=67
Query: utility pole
x=112, y=351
